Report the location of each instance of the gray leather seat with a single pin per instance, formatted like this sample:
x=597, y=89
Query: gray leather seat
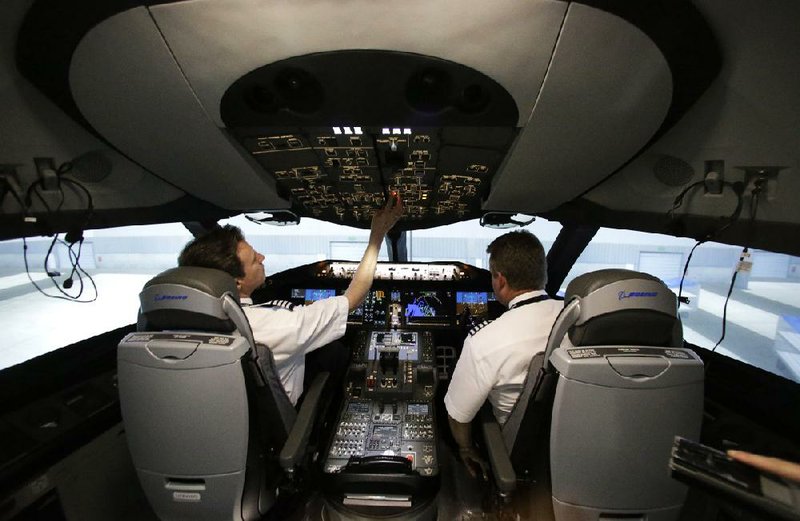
x=210, y=429
x=613, y=402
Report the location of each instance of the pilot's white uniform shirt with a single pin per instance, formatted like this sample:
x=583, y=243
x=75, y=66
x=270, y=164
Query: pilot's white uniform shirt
x=291, y=332
x=494, y=361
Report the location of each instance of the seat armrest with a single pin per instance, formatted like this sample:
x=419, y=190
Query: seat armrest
x=294, y=449
x=504, y=476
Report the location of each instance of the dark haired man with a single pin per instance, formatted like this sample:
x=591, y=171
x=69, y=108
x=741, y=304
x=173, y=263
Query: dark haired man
x=290, y=333
x=496, y=355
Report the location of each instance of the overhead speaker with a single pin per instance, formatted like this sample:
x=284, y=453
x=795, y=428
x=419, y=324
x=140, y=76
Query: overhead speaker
x=91, y=167
x=672, y=171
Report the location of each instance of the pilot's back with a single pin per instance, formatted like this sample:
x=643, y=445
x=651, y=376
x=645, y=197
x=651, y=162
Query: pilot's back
x=497, y=354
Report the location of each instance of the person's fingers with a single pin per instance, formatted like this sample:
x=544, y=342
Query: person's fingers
x=777, y=466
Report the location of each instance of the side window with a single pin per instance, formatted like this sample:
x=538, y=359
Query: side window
x=119, y=262
x=763, y=312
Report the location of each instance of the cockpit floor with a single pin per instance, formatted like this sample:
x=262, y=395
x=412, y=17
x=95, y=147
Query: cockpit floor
x=463, y=498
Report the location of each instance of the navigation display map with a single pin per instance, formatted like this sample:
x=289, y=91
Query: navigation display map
x=427, y=306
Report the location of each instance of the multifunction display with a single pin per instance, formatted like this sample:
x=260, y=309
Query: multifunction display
x=472, y=306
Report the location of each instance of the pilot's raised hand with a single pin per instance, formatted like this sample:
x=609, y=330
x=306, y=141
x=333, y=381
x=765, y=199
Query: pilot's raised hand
x=386, y=217
x=382, y=222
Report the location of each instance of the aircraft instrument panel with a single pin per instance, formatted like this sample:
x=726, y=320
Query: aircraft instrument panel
x=403, y=295
x=409, y=308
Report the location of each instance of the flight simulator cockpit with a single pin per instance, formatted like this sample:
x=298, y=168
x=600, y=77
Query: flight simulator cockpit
x=383, y=450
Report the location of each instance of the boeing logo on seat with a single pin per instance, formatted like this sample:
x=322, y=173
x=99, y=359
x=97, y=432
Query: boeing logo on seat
x=170, y=297
x=636, y=294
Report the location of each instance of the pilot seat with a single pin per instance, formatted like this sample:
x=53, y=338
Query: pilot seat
x=211, y=432
x=614, y=397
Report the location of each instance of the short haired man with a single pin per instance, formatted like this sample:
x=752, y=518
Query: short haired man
x=495, y=358
x=289, y=332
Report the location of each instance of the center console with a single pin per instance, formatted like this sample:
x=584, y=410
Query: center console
x=388, y=409
x=382, y=459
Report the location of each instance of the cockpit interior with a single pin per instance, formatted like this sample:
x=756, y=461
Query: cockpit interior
x=651, y=146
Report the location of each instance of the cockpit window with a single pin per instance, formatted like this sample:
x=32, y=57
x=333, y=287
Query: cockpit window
x=121, y=260
x=290, y=246
x=763, y=313
x=466, y=241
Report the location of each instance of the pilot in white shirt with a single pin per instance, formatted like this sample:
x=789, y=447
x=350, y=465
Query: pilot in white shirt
x=495, y=358
x=496, y=355
x=289, y=333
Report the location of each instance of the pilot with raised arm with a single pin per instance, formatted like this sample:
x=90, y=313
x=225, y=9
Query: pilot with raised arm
x=496, y=355
x=290, y=332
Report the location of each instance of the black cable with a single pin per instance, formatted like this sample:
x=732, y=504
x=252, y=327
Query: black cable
x=77, y=269
x=732, y=218
x=74, y=262
x=89, y=214
x=32, y=190
x=25, y=253
x=74, y=257
x=758, y=188
x=728, y=297
x=685, y=269
x=43, y=292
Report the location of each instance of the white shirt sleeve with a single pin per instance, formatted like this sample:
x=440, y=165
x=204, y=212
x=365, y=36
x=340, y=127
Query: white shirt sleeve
x=469, y=387
x=289, y=333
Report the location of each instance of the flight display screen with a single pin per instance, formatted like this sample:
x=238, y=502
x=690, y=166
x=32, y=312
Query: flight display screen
x=474, y=303
x=313, y=295
x=384, y=431
x=372, y=311
x=426, y=307
x=417, y=409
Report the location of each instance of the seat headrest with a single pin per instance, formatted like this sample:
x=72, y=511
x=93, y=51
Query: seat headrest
x=624, y=307
x=188, y=297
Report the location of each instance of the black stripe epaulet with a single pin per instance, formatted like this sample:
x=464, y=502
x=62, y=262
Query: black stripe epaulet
x=479, y=326
x=285, y=304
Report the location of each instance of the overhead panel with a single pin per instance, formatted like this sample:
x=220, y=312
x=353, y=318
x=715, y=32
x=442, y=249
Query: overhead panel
x=434, y=131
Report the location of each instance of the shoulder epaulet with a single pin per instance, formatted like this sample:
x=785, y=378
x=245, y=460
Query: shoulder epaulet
x=479, y=326
x=285, y=304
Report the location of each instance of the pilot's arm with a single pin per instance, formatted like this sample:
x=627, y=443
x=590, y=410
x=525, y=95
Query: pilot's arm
x=382, y=222
x=462, y=432
x=469, y=388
